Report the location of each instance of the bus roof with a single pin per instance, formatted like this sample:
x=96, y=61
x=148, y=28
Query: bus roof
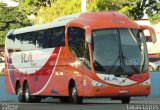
x=61, y=21
x=103, y=19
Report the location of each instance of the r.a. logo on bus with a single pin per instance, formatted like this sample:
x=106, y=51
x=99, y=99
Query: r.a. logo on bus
x=26, y=58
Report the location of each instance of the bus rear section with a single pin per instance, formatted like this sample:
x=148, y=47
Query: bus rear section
x=97, y=54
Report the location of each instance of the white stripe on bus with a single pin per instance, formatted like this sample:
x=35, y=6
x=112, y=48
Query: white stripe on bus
x=36, y=93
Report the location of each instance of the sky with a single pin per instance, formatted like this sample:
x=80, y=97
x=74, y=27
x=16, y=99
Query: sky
x=9, y=3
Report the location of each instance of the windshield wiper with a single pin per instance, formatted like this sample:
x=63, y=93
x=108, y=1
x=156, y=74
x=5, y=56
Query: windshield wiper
x=121, y=58
x=98, y=66
x=115, y=62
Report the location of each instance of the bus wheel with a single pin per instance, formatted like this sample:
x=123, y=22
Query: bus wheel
x=27, y=94
x=28, y=97
x=125, y=100
x=73, y=95
x=19, y=92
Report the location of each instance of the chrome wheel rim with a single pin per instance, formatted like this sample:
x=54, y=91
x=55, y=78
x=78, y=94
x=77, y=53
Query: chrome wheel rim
x=27, y=94
x=74, y=92
x=19, y=93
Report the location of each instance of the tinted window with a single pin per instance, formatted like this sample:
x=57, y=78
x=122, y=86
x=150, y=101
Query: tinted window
x=18, y=42
x=56, y=37
x=76, y=41
x=10, y=43
x=119, y=51
x=51, y=38
x=42, y=39
x=29, y=41
x=78, y=46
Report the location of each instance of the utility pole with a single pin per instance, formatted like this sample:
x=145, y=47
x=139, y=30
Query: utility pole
x=83, y=5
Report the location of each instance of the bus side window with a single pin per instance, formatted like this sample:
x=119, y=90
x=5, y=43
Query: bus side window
x=50, y=38
x=18, y=42
x=10, y=43
x=41, y=40
x=29, y=41
x=56, y=37
x=78, y=46
x=76, y=41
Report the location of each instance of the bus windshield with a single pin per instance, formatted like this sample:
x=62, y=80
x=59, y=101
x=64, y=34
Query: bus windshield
x=119, y=51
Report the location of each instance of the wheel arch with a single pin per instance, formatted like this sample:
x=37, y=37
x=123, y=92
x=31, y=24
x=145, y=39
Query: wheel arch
x=24, y=82
x=71, y=83
x=73, y=92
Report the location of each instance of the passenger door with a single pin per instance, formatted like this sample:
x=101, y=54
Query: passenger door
x=78, y=51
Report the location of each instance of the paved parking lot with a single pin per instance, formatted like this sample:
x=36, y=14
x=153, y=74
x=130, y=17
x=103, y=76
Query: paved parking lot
x=88, y=104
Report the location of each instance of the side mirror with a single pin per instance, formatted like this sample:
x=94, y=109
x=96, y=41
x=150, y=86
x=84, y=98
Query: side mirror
x=88, y=34
x=151, y=31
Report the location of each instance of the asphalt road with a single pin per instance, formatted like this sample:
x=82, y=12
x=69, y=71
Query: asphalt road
x=88, y=104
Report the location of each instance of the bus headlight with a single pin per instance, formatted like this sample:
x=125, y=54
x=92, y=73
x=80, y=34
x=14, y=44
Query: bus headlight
x=96, y=83
x=147, y=82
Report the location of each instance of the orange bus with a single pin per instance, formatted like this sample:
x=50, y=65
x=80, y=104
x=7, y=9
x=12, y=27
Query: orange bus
x=96, y=54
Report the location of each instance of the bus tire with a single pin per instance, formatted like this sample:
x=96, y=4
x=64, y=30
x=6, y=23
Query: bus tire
x=125, y=100
x=19, y=93
x=27, y=93
x=73, y=95
x=28, y=97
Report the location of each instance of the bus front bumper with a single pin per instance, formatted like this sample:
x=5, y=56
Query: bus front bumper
x=116, y=91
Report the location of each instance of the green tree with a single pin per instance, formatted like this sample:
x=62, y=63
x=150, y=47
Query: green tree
x=47, y=10
x=29, y=7
x=153, y=11
x=155, y=18
x=133, y=8
x=58, y=8
x=64, y=7
x=11, y=18
x=153, y=7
